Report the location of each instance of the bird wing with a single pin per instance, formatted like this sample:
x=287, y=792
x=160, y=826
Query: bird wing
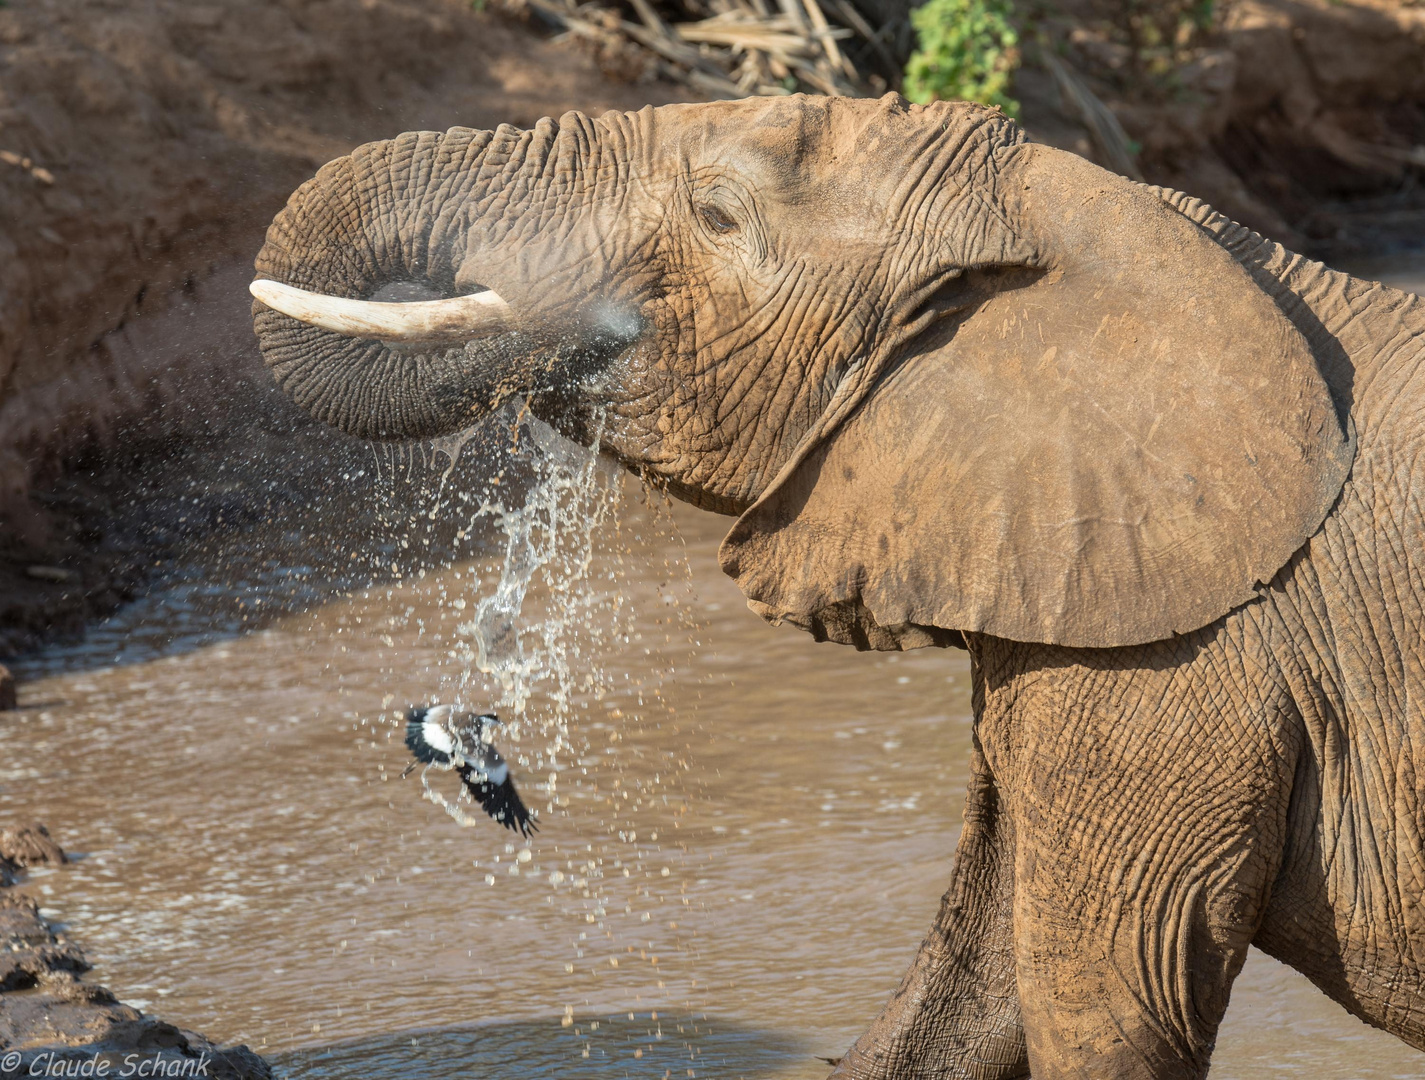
x=427, y=739
x=496, y=793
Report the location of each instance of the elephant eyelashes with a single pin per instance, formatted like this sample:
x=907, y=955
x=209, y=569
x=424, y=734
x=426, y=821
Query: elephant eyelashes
x=717, y=220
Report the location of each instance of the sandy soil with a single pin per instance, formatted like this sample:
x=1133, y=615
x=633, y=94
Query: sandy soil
x=155, y=140
x=1299, y=118
x=152, y=141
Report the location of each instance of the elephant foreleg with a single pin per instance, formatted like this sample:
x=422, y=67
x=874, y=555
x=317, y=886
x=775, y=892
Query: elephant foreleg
x=1149, y=807
x=956, y=1012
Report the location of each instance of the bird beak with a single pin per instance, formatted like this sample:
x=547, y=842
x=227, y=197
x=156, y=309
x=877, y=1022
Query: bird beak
x=408, y=770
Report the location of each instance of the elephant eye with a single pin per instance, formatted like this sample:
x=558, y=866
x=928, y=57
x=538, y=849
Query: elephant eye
x=716, y=218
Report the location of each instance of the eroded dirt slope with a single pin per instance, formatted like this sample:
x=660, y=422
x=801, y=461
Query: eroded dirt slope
x=144, y=147
x=147, y=143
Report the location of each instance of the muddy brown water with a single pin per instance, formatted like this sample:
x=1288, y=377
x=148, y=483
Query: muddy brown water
x=747, y=835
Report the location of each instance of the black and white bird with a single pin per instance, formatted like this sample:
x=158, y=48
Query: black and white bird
x=440, y=735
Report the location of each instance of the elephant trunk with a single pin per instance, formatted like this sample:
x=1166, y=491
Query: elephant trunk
x=406, y=211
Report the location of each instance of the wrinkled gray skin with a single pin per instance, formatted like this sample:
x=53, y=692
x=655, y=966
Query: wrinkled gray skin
x=1160, y=476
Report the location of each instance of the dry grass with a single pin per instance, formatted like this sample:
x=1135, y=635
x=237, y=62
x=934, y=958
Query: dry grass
x=743, y=48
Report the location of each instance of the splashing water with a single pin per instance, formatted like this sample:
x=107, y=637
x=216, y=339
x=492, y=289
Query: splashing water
x=554, y=645
x=528, y=667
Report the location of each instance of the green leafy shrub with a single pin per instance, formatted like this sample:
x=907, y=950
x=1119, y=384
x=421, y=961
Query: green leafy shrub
x=968, y=49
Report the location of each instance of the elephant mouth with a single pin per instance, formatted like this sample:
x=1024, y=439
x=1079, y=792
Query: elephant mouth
x=441, y=362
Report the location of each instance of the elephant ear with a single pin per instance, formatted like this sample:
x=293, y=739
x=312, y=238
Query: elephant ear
x=1119, y=441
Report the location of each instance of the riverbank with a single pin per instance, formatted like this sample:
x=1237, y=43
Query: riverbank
x=152, y=144
x=54, y=1023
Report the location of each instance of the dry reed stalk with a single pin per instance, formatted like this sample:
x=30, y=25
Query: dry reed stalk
x=747, y=48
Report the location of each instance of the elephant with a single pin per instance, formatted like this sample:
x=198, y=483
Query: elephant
x=1161, y=477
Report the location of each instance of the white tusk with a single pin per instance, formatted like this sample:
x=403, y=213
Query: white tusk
x=457, y=319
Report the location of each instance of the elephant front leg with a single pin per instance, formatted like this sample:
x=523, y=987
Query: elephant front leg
x=1149, y=807
x=956, y=1013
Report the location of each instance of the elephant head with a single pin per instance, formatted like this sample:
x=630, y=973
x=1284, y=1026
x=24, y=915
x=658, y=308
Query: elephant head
x=950, y=380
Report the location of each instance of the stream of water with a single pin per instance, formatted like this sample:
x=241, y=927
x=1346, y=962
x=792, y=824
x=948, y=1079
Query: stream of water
x=744, y=834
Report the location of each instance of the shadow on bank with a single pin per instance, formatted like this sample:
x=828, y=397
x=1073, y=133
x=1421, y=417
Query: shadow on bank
x=270, y=516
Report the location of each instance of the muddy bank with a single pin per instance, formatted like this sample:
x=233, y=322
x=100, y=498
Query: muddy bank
x=152, y=142
x=264, y=515
x=53, y=1023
